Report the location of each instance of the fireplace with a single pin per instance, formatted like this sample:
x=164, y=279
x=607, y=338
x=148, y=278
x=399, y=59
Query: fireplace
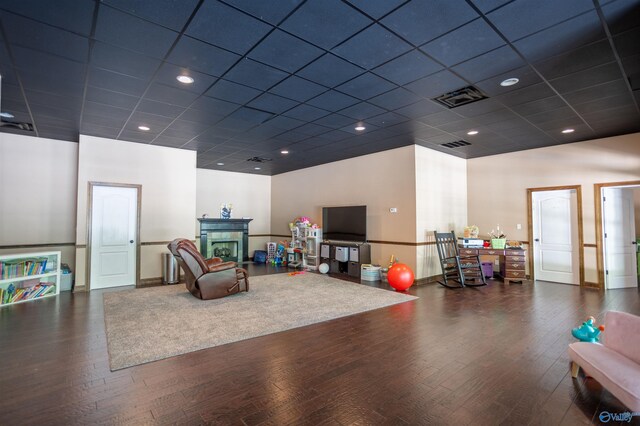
x=229, y=238
x=226, y=250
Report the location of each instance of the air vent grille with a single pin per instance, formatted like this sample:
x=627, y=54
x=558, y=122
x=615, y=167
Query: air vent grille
x=259, y=159
x=17, y=125
x=456, y=144
x=460, y=97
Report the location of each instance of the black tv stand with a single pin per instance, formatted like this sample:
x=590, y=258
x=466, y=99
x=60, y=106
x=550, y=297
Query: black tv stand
x=345, y=257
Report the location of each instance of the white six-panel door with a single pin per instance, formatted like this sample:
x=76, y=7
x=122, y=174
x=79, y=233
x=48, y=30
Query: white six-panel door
x=113, y=236
x=555, y=236
x=619, y=238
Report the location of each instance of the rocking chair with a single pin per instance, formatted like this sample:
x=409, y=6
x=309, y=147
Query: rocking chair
x=463, y=270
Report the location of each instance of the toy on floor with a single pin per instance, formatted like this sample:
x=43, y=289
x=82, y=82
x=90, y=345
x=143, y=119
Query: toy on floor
x=588, y=332
x=295, y=273
x=400, y=276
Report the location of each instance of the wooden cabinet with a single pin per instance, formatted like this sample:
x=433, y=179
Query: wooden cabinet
x=512, y=261
x=29, y=276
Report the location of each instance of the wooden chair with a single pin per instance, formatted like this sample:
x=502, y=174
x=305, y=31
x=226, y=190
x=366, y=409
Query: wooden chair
x=463, y=270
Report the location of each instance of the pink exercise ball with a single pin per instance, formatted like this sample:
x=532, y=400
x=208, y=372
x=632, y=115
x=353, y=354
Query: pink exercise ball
x=400, y=277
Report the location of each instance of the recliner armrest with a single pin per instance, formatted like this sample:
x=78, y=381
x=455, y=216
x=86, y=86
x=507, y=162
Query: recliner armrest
x=220, y=266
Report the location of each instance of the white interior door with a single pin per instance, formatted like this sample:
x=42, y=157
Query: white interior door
x=619, y=229
x=113, y=236
x=555, y=236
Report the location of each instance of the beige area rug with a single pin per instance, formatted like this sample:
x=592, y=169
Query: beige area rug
x=149, y=324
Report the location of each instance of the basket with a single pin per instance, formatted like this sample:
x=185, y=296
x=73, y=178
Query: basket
x=498, y=243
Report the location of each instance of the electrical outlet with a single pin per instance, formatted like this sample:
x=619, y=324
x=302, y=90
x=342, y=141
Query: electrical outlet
x=519, y=226
x=393, y=210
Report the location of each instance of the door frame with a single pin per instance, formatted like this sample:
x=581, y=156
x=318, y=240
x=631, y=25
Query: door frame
x=580, y=247
x=597, y=196
x=90, y=187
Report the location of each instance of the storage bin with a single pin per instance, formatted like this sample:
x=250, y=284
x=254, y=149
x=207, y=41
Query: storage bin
x=487, y=269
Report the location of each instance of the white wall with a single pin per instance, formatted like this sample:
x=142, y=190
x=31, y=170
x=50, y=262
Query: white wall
x=168, y=200
x=379, y=181
x=497, y=185
x=441, y=203
x=38, y=179
x=249, y=194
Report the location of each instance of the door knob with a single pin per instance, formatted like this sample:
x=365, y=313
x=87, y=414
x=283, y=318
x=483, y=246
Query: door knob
x=537, y=240
x=131, y=241
x=634, y=242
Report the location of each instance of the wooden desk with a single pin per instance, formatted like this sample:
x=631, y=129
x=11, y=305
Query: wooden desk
x=512, y=261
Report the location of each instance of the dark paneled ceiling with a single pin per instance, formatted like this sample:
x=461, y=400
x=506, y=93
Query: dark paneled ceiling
x=301, y=75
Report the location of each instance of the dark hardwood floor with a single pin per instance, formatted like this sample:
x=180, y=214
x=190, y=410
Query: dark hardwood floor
x=490, y=355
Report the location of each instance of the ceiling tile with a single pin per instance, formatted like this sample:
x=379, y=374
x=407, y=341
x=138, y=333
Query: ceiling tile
x=489, y=5
x=330, y=71
x=396, y=98
x=422, y=21
x=170, y=95
x=224, y=26
x=117, y=82
x=362, y=111
x=245, y=72
x=376, y=8
x=71, y=15
x=232, y=92
x=576, y=60
x=306, y=113
x=372, y=47
x=570, y=34
x=126, y=31
x=365, y=86
x=466, y=42
x=160, y=108
x=490, y=64
x=203, y=57
x=123, y=61
x=298, y=89
x=408, y=67
x=168, y=13
x=272, y=103
x=285, y=52
x=326, y=23
x=436, y=84
x=272, y=12
x=586, y=78
x=521, y=17
x=34, y=35
x=622, y=15
x=492, y=86
x=332, y=101
x=604, y=90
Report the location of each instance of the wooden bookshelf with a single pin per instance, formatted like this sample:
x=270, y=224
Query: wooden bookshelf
x=26, y=277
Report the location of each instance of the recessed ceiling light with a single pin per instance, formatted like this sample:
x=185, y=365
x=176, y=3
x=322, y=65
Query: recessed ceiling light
x=284, y=151
x=472, y=132
x=185, y=79
x=510, y=82
x=6, y=115
x=360, y=127
x=144, y=128
x=220, y=164
x=256, y=168
x=568, y=131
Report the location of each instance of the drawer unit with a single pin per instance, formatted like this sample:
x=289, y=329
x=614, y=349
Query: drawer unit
x=490, y=252
x=514, y=275
x=515, y=259
x=465, y=251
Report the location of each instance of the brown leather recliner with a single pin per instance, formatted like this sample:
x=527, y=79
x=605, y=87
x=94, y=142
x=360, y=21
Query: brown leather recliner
x=207, y=278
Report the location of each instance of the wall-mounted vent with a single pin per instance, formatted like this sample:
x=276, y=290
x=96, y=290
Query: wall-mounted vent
x=456, y=144
x=17, y=125
x=259, y=159
x=460, y=97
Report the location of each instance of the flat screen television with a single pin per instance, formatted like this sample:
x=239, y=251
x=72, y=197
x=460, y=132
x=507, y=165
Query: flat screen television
x=345, y=223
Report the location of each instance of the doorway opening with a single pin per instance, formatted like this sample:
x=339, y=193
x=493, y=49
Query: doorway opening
x=617, y=234
x=555, y=234
x=113, y=235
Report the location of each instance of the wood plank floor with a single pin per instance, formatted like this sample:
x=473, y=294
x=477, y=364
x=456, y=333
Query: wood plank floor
x=490, y=355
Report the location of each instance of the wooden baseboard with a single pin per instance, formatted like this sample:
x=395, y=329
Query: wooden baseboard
x=79, y=288
x=591, y=285
x=154, y=282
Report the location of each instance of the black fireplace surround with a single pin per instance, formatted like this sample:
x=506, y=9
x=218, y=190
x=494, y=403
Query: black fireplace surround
x=210, y=227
